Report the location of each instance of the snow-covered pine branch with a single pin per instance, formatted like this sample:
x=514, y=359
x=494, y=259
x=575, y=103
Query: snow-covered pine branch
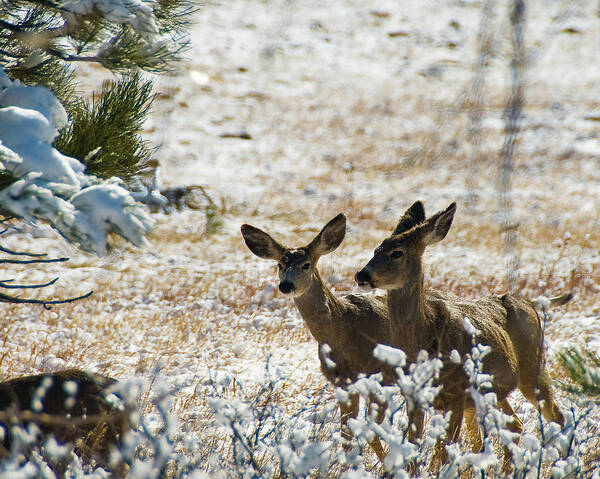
x=52, y=187
x=118, y=34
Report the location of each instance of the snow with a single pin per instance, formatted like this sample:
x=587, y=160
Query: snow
x=470, y=328
x=35, y=98
x=106, y=208
x=29, y=134
x=392, y=356
x=455, y=356
x=138, y=14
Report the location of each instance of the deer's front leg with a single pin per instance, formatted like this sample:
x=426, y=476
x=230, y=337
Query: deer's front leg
x=440, y=455
x=416, y=420
x=348, y=409
x=473, y=430
x=379, y=416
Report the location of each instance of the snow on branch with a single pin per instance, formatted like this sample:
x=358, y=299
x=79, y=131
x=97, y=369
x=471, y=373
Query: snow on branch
x=118, y=34
x=52, y=187
x=133, y=12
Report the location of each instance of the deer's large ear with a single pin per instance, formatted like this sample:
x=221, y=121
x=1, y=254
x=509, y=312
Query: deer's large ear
x=330, y=237
x=261, y=244
x=411, y=218
x=436, y=227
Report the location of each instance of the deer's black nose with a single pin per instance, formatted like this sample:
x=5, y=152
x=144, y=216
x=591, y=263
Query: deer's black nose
x=362, y=277
x=286, y=287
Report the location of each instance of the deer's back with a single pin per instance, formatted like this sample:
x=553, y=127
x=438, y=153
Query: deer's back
x=497, y=329
x=89, y=420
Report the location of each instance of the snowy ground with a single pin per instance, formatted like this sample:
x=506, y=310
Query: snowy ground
x=351, y=107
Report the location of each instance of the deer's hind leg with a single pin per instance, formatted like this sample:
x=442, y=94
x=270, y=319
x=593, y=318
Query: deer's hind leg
x=416, y=423
x=544, y=399
x=515, y=426
x=539, y=393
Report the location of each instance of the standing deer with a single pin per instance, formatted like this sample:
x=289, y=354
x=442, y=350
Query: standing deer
x=347, y=329
x=71, y=406
x=433, y=321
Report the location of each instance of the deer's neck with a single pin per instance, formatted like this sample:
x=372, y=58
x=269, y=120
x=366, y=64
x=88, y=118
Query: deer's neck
x=317, y=305
x=410, y=328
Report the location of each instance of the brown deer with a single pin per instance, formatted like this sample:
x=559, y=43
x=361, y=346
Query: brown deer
x=433, y=321
x=347, y=329
x=71, y=406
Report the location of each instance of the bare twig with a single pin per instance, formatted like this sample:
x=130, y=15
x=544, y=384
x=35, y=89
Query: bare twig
x=16, y=416
x=19, y=253
x=485, y=39
x=4, y=298
x=3, y=284
x=32, y=261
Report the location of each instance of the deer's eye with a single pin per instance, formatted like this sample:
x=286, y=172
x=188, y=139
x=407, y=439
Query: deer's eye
x=306, y=266
x=279, y=266
x=397, y=254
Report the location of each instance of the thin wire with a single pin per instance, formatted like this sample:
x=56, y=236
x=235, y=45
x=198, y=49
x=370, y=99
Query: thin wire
x=512, y=114
x=485, y=37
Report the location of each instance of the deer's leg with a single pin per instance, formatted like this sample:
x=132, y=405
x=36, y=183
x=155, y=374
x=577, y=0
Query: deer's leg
x=515, y=426
x=473, y=430
x=440, y=456
x=539, y=393
x=348, y=409
x=536, y=387
x=550, y=410
x=379, y=416
x=416, y=420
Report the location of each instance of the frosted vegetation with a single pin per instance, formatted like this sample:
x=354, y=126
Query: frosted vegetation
x=250, y=435
x=348, y=108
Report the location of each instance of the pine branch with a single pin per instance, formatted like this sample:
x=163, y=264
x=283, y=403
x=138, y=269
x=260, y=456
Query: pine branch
x=127, y=51
x=6, y=178
x=51, y=32
x=174, y=15
x=111, y=123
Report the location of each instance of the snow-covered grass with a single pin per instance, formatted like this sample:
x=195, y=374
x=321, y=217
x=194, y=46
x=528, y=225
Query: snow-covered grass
x=351, y=108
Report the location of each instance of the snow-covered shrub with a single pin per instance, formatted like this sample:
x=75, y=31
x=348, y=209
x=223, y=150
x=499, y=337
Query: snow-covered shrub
x=249, y=432
x=267, y=441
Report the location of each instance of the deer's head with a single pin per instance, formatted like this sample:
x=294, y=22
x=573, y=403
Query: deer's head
x=397, y=260
x=296, y=265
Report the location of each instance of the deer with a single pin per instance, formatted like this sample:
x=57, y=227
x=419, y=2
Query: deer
x=71, y=405
x=432, y=321
x=347, y=329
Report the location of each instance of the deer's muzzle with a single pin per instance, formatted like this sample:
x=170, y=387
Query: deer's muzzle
x=286, y=287
x=363, y=279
